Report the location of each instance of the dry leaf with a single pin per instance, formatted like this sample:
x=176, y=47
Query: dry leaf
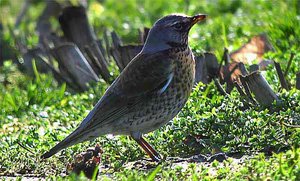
x=252, y=50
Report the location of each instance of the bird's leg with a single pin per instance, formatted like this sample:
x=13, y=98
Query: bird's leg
x=154, y=155
x=150, y=147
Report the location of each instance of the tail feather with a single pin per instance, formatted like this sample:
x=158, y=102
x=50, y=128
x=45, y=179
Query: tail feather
x=77, y=136
x=81, y=134
x=68, y=141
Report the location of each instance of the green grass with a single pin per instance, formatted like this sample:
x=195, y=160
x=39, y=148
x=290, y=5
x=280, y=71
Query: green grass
x=37, y=113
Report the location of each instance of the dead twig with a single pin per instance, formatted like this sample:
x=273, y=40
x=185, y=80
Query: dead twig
x=289, y=64
x=247, y=90
x=27, y=149
x=219, y=87
x=282, y=80
x=224, y=58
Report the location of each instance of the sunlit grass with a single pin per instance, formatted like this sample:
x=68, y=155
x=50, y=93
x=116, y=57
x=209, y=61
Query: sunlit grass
x=37, y=113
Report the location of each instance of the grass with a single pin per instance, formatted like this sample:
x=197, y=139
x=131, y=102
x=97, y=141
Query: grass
x=37, y=113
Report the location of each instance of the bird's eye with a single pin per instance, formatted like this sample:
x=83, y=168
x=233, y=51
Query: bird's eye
x=178, y=26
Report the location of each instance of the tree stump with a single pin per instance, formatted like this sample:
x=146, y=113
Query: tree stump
x=261, y=89
x=206, y=68
x=74, y=66
x=123, y=54
x=76, y=28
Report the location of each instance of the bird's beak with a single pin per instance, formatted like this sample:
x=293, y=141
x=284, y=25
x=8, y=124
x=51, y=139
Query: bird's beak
x=197, y=18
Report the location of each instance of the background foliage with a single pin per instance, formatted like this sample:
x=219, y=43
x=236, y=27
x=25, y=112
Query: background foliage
x=36, y=113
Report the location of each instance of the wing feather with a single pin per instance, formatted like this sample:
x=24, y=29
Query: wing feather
x=145, y=76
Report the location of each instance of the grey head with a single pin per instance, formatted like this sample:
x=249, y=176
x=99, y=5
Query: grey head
x=170, y=31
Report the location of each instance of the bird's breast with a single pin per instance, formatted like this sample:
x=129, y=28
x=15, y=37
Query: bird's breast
x=166, y=106
x=159, y=109
x=184, y=72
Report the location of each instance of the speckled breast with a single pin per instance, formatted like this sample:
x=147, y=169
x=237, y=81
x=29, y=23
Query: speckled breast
x=161, y=109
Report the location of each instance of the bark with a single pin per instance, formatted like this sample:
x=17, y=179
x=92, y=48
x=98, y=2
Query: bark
x=73, y=66
x=206, y=68
x=76, y=28
x=261, y=89
x=282, y=80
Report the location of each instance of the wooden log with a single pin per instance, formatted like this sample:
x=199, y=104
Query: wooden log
x=282, y=80
x=225, y=58
x=298, y=81
x=243, y=69
x=128, y=52
x=212, y=65
x=107, y=44
x=58, y=75
x=239, y=89
x=261, y=89
x=73, y=65
x=116, y=40
x=103, y=50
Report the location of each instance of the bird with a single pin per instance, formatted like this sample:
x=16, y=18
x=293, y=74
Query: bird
x=149, y=92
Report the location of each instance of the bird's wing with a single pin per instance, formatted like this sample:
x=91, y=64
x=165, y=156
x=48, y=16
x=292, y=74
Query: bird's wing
x=144, y=76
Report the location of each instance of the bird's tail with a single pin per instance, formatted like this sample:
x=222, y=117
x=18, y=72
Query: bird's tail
x=81, y=134
x=68, y=141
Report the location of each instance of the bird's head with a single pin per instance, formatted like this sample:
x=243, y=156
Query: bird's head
x=170, y=31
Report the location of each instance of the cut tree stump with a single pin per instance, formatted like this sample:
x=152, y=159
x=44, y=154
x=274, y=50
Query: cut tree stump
x=35, y=54
x=247, y=90
x=206, y=68
x=261, y=89
x=230, y=73
x=76, y=28
x=43, y=26
x=123, y=54
x=74, y=66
